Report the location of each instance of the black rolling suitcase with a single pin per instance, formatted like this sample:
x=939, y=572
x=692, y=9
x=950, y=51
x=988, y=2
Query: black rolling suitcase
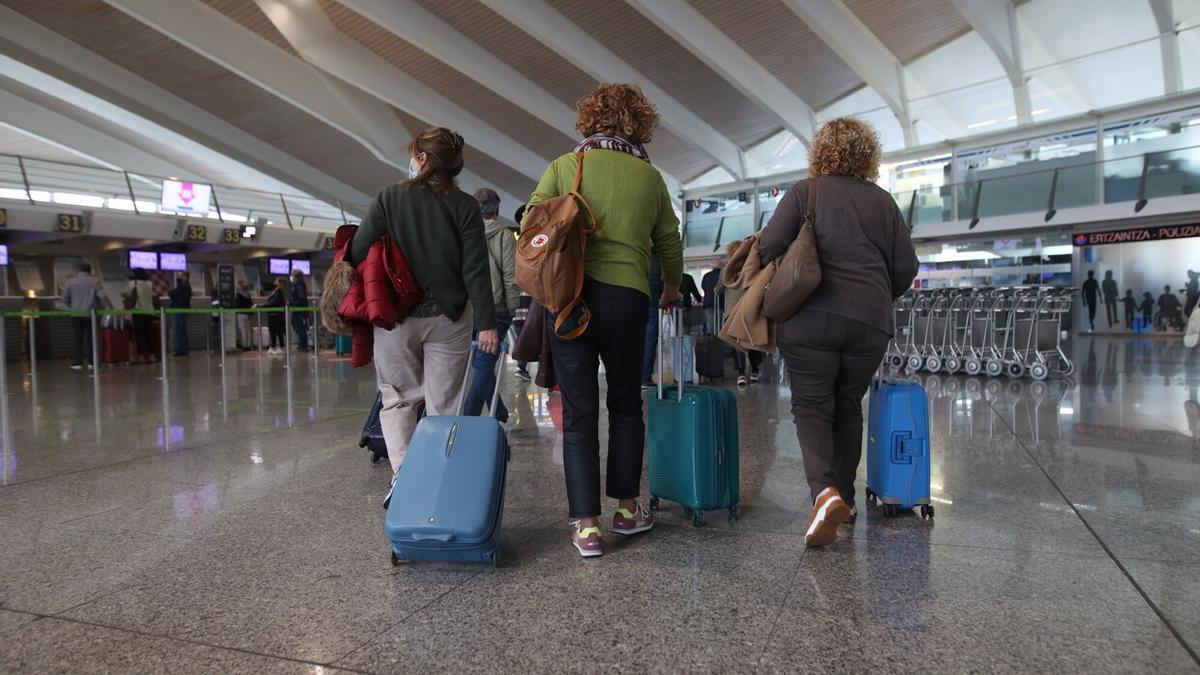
x=372, y=433
x=710, y=350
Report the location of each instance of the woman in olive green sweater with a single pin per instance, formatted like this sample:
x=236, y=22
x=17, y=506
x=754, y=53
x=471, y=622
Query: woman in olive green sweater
x=440, y=231
x=633, y=212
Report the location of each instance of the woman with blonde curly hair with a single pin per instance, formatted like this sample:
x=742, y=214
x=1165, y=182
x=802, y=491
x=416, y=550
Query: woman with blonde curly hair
x=633, y=213
x=834, y=344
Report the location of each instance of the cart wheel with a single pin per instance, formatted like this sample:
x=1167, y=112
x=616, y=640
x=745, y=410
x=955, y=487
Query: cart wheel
x=395, y=560
x=654, y=504
x=953, y=364
x=994, y=368
x=933, y=364
x=896, y=361
x=1039, y=371
x=914, y=363
x=697, y=519
x=973, y=366
x=1014, y=370
x=1038, y=389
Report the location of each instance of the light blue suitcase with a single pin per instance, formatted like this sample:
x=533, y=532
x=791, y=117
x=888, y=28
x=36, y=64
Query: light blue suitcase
x=898, y=446
x=449, y=493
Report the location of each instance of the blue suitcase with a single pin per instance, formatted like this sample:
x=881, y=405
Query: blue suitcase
x=343, y=344
x=898, y=446
x=693, y=448
x=449, y=493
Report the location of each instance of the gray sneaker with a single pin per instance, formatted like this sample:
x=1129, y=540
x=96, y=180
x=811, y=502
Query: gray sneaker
x=587, y=540
x=625, y=522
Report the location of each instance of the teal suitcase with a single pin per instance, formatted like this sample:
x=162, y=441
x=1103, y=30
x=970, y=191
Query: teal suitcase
x=693, y=449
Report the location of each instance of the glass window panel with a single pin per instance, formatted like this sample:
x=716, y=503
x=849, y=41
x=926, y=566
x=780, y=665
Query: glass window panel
x=1121, y=178
x=778, y=154
x=868, y=106
x=714, y=176
x=737, y=227
x=1103, y=80
x=1094, y=25
x=1076, y=187
x=1022, y=193
x=702, y=234
x=1189, y=55
x=1175, y=172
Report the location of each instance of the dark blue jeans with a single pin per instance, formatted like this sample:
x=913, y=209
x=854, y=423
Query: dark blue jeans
x=181, y=336
x=300, y=327
x=650, y=353
x=483, y=375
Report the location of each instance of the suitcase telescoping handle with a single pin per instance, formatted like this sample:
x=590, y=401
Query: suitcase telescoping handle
x=466, y=383
x=677, y=317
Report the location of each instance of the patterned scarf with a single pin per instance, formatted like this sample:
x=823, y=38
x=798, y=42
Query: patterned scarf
x=602, y=142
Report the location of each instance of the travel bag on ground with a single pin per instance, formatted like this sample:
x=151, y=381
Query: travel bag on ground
x=710, y=350
x=898, y=446
x=372, y=433
x=343, y=344
x=693, y=448
x=448, y=497
x=114, y=345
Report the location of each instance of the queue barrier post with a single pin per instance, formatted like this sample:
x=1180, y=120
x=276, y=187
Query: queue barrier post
x=32, y=346
x=162, y=339
x=95, y=344
x=287, y=332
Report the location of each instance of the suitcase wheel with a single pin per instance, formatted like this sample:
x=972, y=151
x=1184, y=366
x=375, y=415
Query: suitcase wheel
x=734, y=515
x=655, y=504
x=697, y=519
x=496, y=559
x=395, y=559
x=927, y=510
x=889, y=511
x=374, y=459
x=870, y=496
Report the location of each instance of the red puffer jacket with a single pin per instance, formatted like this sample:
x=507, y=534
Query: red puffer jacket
x=382, y=294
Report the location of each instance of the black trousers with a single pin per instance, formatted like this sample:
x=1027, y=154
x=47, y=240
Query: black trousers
x=82, y=327
x=740, y=358
x=830, y=361
x=277, y=328
x=143, y=335
x=615, y=336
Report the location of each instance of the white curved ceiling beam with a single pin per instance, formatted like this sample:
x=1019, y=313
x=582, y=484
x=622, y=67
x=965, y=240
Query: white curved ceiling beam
x=40, y=58
x=996, y=23
x=50, y=126
x=866, y=55
x=1168, y=42
x=718, y=51
x=208, y=32
x=305, y=25
x=574, y=44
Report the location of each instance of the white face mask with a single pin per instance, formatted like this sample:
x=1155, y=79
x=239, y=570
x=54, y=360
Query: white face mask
x=412, y=173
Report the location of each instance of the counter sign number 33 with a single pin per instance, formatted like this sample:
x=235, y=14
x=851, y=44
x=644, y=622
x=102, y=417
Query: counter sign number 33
x=231, y=235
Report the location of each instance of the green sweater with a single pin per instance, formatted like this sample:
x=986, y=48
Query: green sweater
x=633, y=211
x=442, y=238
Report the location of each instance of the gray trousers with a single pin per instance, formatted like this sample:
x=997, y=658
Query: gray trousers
x=830, y=361
x=420, y=360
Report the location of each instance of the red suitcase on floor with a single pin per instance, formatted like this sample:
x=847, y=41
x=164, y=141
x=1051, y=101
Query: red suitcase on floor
x=114, y=345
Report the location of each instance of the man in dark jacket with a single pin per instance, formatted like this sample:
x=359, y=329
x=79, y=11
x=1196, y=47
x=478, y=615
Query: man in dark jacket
x=299, y=298
x=181, y=298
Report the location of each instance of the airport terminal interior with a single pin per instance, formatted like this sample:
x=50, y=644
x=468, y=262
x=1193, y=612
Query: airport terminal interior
x=184, y=485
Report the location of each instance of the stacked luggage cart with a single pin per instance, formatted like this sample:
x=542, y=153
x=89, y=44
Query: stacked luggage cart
x=1013, y=331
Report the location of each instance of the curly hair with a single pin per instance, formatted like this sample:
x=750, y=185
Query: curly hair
x=617, y=110
x=846, y=146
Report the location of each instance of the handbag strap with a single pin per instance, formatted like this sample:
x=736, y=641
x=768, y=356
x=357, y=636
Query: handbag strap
x=810, y=213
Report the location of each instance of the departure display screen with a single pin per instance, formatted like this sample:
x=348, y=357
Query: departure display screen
x=303, y=266
x=145, y=260
x=280, y=265
x=176, y=262
x=3, y=254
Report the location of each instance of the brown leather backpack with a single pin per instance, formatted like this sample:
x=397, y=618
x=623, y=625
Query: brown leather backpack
x=550, y=255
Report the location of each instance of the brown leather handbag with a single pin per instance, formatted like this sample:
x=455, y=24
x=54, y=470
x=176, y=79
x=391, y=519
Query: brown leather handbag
x=798, y=270
x=550, y=255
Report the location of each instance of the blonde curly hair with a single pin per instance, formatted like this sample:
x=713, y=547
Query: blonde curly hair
x=846, y=146
x=617, y=110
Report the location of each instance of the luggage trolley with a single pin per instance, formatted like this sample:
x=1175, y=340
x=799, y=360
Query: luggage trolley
x=978, y=326
x=957, y=326
x=938, y=330
x=899, y=347
x=1000, y=359
x=1039, y=333
x=918, y=344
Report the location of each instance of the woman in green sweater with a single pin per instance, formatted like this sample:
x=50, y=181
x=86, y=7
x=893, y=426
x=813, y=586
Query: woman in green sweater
x=633, y=212
x=440, y=231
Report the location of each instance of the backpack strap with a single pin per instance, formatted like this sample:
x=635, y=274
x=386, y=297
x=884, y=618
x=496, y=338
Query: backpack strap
x=591, y=217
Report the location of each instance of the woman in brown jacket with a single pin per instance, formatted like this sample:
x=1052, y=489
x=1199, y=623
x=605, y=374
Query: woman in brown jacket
x=834, y=344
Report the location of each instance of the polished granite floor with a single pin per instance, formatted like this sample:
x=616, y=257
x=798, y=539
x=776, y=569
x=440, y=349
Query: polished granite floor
x=227, y=522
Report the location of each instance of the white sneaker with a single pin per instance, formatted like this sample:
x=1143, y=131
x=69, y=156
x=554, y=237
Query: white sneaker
x=754, y=376
x=742, y=381
x=76, y=366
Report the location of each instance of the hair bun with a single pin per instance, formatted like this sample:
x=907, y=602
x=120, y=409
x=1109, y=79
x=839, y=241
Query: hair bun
x=456, y=141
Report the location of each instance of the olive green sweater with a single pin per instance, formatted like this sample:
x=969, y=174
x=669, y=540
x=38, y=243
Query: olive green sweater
x=442, y=238
x=633, y=211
